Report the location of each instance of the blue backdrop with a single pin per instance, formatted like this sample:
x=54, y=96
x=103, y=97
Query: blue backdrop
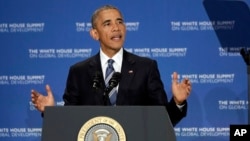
x=199, y=39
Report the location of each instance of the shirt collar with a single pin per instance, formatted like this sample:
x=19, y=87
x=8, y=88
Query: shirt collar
x=117, y=58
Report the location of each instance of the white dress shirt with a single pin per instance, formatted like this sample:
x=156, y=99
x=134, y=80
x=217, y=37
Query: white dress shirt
x=117, y=58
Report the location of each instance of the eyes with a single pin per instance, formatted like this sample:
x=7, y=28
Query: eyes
x=108, y=23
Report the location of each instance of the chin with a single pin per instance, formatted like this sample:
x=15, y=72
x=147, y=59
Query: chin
x=117, y=48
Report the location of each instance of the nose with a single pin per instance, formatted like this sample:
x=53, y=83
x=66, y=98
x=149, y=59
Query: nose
x=116, y=27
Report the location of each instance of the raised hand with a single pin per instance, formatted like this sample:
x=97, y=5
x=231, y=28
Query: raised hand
x=181, y=90
x=40, y=101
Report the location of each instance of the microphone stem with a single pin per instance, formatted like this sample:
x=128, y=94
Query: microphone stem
x=106, y=95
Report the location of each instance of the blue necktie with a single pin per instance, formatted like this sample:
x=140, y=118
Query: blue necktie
x=109, y=72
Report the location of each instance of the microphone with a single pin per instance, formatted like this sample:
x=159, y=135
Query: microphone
x=96, y=80
x=113, y=82
x=115, y=79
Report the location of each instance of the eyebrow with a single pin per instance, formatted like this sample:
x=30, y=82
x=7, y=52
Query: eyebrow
x=107, y=21
x=119, y=19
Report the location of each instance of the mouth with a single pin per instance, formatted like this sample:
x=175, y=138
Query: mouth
x=116, y=37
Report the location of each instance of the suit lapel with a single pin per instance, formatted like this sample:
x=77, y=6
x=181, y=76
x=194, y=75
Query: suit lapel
x=95, y=64
x=127, y=72
x=95, y=67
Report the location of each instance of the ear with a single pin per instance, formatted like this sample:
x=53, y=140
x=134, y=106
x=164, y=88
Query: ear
x=94, y=34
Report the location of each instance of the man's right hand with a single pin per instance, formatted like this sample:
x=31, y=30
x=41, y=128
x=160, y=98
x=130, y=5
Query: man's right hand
x=40, y=101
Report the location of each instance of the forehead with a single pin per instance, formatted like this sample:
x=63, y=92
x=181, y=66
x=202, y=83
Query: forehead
x=109, y=14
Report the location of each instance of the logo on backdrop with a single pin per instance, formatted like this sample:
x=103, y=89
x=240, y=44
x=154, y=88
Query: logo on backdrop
x=209, y=78
x=202, y=25
x=101, y=129
x=22, y=27
x=230, y=51
x=86, y=26
x=20, y=79
x=159, y=52
x=42, y=53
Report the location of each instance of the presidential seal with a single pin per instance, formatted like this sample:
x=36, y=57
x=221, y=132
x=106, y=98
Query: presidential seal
x=101, y=129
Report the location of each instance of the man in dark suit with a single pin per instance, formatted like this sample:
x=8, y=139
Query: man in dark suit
x=139, y=84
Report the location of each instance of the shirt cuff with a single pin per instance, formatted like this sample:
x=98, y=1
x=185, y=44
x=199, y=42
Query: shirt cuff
x=180, y=106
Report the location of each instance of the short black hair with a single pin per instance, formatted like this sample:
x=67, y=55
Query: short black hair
x=97, y=11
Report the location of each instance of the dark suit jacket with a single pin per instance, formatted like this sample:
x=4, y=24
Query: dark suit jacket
x=140, y=84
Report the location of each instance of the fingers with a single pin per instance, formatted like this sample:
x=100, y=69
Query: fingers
x=34, y=93
x=48, y=90
x=36, y=99
x=175, y=77
x=40, y=101
x=34, y=96
x=187, y=83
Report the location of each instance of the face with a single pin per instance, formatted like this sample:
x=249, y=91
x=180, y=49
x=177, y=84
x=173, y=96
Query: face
x=110, y=30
